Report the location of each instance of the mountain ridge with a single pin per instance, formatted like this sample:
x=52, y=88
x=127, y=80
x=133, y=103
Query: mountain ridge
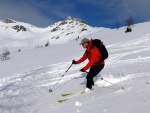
x=14, y=34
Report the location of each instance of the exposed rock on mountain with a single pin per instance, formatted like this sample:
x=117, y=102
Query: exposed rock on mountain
x=7, y=21
x=19, y=28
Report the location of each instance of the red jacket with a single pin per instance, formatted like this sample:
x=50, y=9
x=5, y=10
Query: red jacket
x=93, y=55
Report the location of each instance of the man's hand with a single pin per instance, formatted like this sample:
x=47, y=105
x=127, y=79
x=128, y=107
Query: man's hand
x=82, y=70
x=73, y=62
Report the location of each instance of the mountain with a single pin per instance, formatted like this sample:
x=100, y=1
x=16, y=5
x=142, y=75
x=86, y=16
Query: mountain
x=17, y=35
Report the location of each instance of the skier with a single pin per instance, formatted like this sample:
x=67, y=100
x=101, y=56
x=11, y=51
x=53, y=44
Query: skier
x=93, y=55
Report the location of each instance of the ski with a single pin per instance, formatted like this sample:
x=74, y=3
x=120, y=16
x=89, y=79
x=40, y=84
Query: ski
x=60, y=101
x=69, y=96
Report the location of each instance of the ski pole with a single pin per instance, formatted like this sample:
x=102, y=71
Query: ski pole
x=112, y=83
x=109, y=82
x=60, y=78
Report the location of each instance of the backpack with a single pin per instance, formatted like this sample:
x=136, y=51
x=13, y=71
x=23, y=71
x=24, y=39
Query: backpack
x=101, y=47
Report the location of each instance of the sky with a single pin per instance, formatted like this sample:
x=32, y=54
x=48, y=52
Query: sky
x=97, y=13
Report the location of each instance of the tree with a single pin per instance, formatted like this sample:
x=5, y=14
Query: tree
x=47, y=44
x=129, y=21
x=5, y=55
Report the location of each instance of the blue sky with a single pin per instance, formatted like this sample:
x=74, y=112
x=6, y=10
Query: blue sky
x=98, y=13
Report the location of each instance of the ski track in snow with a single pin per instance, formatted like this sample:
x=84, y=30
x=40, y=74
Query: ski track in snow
x=20, y=92
x=25, y=89
x=129, y=54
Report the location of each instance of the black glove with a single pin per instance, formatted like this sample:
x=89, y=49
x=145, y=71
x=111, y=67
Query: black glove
x=82, y=70
x=73, y=62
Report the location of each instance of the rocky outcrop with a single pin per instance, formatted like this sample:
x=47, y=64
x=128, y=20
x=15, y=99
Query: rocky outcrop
x=19, y=28
x=7, y=21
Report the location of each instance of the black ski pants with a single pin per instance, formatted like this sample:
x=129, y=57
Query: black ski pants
x=94, y=70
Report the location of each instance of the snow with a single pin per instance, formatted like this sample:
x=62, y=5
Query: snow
x=33, y=37
x=26, y=78
x=77, y=103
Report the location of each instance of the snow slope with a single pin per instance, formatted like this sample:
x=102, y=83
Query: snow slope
x=26, y=78
x=19, y=35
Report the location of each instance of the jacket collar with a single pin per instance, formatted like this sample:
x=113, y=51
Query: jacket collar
x=89, y=45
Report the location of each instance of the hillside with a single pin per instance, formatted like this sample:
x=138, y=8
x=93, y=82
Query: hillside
x=19, y=35
x=26, y=78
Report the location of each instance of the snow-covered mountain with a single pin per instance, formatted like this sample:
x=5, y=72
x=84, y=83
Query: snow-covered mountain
x=26, y=78
x=19, y=35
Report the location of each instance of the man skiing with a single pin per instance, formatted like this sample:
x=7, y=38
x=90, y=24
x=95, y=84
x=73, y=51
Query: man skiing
x=93, y=55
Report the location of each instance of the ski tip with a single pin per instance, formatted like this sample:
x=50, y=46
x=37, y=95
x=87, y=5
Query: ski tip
x=60, y=101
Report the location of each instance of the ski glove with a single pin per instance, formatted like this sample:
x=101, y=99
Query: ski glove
x=82, y=70
x=73, y=62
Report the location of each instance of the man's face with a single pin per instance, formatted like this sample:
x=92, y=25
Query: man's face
x=85, y=45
